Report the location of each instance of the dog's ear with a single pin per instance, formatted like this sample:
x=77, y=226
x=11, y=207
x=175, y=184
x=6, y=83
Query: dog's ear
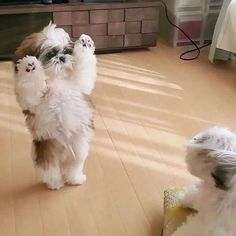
x=222, y=176
x=225, y=169
x=30, y=46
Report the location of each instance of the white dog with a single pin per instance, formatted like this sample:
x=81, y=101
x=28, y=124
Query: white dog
x=211, y=156
x=54, y=77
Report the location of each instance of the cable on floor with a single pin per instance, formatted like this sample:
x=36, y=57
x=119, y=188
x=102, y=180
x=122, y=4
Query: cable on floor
x=197, y=48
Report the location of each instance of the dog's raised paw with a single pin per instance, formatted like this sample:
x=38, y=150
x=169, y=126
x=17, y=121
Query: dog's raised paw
x=85, y=41
x=28, y=64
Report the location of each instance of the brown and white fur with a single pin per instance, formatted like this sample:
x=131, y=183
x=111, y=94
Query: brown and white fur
x=54, y=78
x=211, y=156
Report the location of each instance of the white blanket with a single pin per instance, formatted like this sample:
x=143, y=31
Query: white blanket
x=227, y=36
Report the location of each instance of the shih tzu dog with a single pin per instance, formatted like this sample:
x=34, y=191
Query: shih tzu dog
x=54, y=78
x=211, y=156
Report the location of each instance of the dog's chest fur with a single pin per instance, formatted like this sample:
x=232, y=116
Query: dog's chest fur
x=63, y=111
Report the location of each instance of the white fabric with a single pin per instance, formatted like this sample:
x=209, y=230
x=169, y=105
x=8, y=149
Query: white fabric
x=227, y=36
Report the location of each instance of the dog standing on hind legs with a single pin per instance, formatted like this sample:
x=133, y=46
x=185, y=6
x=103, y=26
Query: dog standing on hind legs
x=54, y=78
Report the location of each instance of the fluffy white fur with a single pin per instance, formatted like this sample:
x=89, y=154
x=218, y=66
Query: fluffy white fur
x=211, y=157
x=33, y=89
x=54, y=94
x=85, y=61
x=80, y=65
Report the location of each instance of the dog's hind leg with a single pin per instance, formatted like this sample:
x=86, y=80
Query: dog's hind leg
x=45, y=154
x=73, y=169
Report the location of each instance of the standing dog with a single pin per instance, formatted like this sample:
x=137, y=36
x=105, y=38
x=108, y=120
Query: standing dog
x=211, y=156
x=54, y=77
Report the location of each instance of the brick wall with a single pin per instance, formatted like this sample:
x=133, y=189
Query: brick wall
x=113, y=28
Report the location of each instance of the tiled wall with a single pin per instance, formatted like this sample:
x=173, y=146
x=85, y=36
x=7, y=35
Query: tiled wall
x=113, y=28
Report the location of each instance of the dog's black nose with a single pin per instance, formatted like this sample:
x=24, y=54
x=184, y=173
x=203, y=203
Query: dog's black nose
x=62, y=59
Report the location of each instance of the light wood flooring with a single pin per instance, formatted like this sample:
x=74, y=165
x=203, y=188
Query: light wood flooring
x=148, y=103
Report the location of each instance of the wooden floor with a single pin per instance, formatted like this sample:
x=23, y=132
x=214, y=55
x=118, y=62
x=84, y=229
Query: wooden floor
x=148, y=103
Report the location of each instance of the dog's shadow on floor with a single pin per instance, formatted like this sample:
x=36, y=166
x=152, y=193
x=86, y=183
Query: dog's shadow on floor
x=26, y=193
x=30, y=190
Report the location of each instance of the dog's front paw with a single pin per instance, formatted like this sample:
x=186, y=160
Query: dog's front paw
x=187, y=198
x=28, y=65
x=183, y=199
x=77, y=179
x=86, y=42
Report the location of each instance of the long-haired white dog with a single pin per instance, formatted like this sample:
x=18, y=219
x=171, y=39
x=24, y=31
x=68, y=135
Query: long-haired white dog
x=54, y=77
x=211, y=156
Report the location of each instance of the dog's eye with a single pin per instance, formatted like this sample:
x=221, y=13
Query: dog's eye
x=67, y=51
x=52, y=53
x=201, y=139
